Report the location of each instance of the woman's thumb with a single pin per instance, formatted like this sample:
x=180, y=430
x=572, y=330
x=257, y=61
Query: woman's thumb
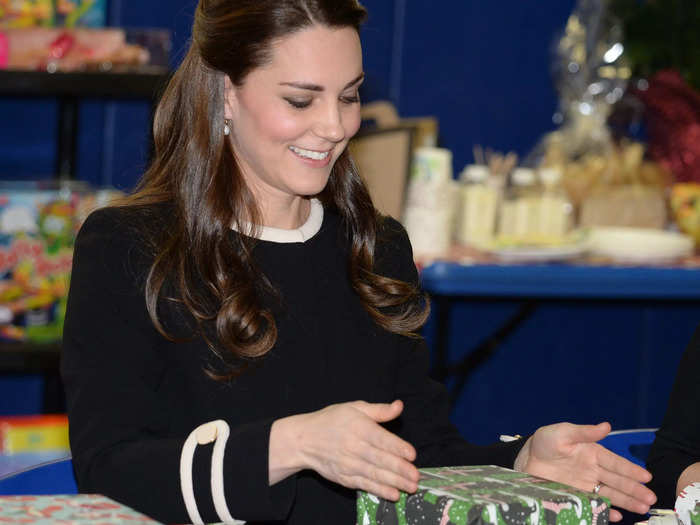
x=381, y=412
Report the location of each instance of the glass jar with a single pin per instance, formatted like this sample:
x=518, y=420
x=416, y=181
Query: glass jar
x=479, y=200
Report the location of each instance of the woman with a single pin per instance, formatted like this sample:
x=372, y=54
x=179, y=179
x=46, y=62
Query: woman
x=674, y=458
x=249, y=280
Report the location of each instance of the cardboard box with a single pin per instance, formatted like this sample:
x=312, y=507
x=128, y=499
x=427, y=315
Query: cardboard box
x=485, y=495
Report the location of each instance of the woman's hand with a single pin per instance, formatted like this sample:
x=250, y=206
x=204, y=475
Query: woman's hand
x=345, y=444
x=569, y=454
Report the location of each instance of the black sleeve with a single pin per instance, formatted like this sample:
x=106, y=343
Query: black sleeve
x=677, y=443
x=425, y=420
x=120, y=426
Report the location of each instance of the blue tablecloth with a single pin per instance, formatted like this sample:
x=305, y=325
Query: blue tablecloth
x=603, y=342
x=562, y=281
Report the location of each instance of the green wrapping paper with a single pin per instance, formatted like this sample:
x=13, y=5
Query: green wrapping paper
x=485, y=495
x=695, y=515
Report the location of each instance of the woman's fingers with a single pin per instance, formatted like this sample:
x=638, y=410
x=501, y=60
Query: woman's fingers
x=405, y=471
x=621, y=482
x=380, y=412
x=345, y=443
x=614, y=463
x=383, y=439
x=615, y=515
x=373, y=487
x=364, y=474
x=583, y=433
x=621, y=499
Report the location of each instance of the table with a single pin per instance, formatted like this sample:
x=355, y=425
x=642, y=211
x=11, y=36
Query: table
x=12, y=463
x=502, y=337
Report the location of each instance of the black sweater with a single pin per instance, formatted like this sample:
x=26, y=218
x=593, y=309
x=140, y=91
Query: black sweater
x=677, y=443
x=134, y=397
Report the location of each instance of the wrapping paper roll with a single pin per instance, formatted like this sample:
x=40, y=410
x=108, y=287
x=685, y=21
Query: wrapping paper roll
x=686, y=504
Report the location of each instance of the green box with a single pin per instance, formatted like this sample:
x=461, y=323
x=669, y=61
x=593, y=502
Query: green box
x=485, y=495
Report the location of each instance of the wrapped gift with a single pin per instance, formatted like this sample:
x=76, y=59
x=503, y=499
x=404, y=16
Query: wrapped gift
x=485, y=495
x=83, y=508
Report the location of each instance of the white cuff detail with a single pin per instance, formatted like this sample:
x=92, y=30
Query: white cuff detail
x=218, y=432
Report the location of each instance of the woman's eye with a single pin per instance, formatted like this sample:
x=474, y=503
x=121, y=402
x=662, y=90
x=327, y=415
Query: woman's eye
x=351, y=99
x=299, y=104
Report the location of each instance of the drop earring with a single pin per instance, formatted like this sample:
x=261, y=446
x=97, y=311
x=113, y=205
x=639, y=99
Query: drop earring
x=227, y=127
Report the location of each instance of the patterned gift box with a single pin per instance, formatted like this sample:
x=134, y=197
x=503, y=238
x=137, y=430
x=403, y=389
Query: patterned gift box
x=83, y=508
x=485, y=495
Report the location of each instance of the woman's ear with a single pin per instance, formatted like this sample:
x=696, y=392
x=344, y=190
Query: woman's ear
x=230, y=100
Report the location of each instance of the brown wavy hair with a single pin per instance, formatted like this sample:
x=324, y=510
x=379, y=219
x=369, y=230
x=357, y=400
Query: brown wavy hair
x=194, y=171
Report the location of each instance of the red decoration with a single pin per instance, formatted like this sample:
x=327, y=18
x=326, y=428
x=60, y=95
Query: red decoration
x=673, y=111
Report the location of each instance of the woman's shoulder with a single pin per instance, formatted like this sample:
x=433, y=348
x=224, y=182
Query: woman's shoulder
x=115, y=238
x=133, y=223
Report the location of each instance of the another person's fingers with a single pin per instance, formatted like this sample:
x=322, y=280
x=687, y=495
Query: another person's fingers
x=615, y=515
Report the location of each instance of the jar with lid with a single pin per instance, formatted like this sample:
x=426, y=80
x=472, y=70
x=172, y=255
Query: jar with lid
x=479, y=200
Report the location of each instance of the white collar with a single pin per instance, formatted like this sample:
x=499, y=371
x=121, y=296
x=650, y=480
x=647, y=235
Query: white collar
x=301, y=234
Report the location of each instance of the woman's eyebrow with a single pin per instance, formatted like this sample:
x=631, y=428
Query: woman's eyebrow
x=316, y=87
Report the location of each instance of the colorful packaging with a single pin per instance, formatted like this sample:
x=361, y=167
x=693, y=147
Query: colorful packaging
x=81, y=508
x=20, y=434
x=37, y=230
x=487, y=495
x=52, y=13
x=38, y=224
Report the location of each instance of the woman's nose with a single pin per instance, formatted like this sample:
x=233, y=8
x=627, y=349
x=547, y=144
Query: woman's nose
x=329, y=125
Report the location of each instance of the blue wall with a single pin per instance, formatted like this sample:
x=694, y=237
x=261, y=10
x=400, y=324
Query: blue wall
x=481, y=67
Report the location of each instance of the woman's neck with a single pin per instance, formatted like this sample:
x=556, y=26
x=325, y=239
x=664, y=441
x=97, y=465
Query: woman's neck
x=286, y=214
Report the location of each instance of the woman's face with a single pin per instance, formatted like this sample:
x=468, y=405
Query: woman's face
x=293, y=117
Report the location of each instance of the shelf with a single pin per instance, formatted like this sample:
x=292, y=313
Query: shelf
x=140, y=84
x=29, y=357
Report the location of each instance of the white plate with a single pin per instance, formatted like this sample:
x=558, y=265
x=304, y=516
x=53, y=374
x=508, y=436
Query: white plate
x=540, y=254
x=639, y=245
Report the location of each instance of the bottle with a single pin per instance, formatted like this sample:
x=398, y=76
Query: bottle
x=519, y=211
x=479, y=201
x=555, y=209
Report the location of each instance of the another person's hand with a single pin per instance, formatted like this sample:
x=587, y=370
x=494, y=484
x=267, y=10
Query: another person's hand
x=569, y=454
x=690, y=475
x=345, y=444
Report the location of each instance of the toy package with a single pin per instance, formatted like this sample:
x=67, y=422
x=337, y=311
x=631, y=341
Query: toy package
x=21, y=434
x=38, y=224
x=52, y=13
